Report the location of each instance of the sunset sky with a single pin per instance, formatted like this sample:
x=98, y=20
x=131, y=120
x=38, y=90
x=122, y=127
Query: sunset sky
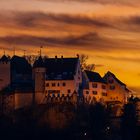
x=108, y=31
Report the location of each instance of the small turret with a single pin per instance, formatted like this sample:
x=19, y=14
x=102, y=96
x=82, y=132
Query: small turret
x=39, y=71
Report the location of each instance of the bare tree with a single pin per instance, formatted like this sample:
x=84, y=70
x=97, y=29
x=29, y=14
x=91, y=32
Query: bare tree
x=84, y=65
x=32, y=58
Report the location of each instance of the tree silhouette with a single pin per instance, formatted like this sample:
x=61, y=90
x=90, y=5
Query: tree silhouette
x=84, y=65
x=129, y=121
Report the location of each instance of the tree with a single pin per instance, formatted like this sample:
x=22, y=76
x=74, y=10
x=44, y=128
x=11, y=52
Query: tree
x=84, y=65
x=32, y=58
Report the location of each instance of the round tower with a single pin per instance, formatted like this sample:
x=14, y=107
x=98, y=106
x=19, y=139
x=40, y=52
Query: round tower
x=39, y=72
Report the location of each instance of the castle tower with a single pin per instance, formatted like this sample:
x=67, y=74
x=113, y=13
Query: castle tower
x=4, y=72
x=39, y=72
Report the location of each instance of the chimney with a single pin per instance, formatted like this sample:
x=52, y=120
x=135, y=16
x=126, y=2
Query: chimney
x=77, y=55
x=56, y=58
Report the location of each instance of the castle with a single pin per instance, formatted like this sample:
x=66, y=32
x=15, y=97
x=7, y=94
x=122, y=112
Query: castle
x=55, y=80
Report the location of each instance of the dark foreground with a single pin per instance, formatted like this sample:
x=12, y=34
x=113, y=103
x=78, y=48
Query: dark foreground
x=68, y=123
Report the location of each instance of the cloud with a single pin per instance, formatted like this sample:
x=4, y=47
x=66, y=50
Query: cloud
x=30, y=19
x=126, y=2
x=134, y=20
x=81, y=40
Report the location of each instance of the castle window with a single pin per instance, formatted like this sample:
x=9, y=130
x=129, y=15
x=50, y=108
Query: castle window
x=53, y=84
x=69, y=91
x=110, y=81
x=87, y=92
x=103, y=87
x=112, y=87
x=94, y=85
x=64, y=84
x=94, y=92
x=58, y=84
x=47, y=84
x=104, y=94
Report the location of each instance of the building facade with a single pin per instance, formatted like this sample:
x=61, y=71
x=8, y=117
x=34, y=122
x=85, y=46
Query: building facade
x=56, y=78
x=117, y=90
x=95, y=89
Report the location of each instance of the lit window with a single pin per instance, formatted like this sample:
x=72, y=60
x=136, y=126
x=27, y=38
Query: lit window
x=103, y=87
x=112, y=87
x=47, y=84
x=69, y=91
x=94, y=85
x=94, y=92
x=64, y=84
x=53, y=84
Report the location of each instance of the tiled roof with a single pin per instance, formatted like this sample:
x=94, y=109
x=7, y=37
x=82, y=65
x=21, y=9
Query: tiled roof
x=58, y=68
x=94, y=77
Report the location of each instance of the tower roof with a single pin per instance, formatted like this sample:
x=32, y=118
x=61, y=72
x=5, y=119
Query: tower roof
x=4, y=58
x=38, y=63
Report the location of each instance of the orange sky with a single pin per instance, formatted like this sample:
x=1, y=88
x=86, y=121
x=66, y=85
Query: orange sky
x=106, y=30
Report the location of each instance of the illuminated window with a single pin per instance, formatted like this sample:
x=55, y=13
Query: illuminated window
x=94, y=92
x=53, y=84
x=94, y=85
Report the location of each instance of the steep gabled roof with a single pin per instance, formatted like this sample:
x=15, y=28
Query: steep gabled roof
x=4, y=58
x=94, y=77
x=20, y=65
x=61, y=68
x=114, y=77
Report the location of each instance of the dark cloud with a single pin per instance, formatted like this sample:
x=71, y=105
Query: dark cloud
x=135, y=20
x=113, y=2
x=81, y=40
x=38, y=19
x=30, y=19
